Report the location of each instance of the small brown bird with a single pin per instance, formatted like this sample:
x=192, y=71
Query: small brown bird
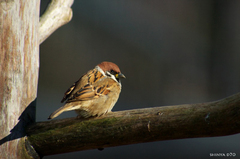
x=95, y=93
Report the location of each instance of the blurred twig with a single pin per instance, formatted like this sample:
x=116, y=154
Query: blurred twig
x=57, y=14
x=137, y=126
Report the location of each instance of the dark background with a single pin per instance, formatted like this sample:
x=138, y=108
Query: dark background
x=172, y=52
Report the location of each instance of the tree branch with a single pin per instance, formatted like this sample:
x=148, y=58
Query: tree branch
x=218, y=118
x=57, y=14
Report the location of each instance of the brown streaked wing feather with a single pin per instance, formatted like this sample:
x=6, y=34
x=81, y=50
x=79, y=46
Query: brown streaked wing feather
x=84, y=93
x=76, y=85
x=103, y=90
x=100, y=88
x=68, y=92
x=76, y=89
x=103, y=87
x=88, y=78
x=94, y=76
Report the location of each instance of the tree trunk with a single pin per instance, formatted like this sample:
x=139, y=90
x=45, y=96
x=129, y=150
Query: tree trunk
x=19, y=65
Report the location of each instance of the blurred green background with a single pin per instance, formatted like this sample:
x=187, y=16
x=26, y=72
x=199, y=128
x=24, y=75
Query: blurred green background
x=172, y=52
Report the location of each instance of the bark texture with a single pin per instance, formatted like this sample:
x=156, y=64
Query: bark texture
x=19, y=65
x=211, y=119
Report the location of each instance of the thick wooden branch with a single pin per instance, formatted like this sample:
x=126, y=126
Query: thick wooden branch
x=137, y=126
x=57, y=14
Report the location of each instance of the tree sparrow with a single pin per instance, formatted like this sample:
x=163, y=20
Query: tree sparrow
x=95, y=93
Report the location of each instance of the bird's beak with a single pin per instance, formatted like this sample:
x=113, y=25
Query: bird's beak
x=120, y=75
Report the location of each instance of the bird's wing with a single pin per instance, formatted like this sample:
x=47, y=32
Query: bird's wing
x=69, y=91
x=92, y=91
x=89, y=86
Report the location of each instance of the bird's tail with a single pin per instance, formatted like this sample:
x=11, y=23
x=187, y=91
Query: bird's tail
x=66, y=107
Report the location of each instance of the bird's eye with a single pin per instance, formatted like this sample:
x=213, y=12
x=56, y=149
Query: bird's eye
x=112, y=72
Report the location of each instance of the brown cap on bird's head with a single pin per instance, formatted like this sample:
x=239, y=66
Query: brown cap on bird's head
x=108, y=66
